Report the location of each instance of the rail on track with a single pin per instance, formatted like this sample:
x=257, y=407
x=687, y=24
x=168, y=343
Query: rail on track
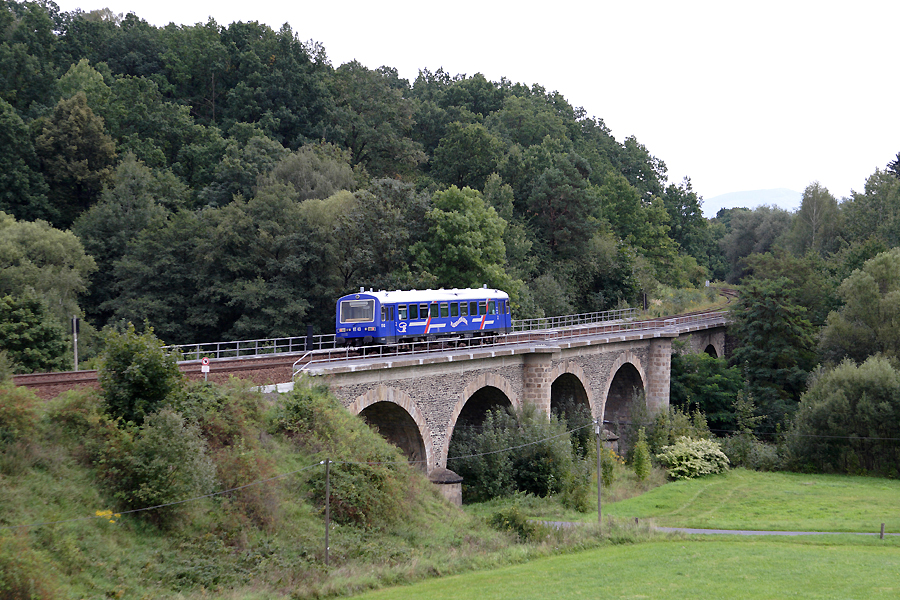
x=572, y=330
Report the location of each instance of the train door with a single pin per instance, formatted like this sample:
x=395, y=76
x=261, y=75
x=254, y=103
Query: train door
x=387, y=329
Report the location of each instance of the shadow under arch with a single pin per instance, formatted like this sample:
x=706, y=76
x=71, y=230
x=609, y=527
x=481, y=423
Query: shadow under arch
x=571, y=401
x=711, y=350
x=394, y=415
x=486, y=392
x=626, y=379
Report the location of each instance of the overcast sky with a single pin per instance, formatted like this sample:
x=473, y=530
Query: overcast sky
x=736, y=96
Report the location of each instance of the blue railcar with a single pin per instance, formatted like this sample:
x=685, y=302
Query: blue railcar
x=413, y=315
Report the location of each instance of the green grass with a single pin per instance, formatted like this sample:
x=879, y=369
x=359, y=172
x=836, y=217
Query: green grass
x=678, y=569
x=741, y=499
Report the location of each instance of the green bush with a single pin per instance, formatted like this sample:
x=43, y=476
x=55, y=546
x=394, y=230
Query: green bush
x=163, y=461
x=543, y=462
x=136, y=375
x=848, y=420
x=514, y=520
x=369, y=476
x=744, y=450
x=688, y=458
x=17, y=412
x=641, y=460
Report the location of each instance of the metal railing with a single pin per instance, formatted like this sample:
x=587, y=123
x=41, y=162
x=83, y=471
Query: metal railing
x=267, y=346
x=570, y=320
x=548, y=328
x=313, y=358
x=251, y=348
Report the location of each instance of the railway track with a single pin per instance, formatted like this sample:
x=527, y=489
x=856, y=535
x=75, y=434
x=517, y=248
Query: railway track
x=280, y=366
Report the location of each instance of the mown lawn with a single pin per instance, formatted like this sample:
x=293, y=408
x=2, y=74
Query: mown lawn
x=742, y=499
x=831, y=567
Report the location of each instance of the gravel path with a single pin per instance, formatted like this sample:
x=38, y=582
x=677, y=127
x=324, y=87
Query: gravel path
x=688, y=530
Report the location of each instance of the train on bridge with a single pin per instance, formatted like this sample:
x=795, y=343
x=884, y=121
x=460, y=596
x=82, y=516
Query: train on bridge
x=399, y=316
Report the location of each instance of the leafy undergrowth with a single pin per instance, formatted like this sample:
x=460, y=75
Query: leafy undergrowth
x=742, y=499
x=624, y=485
x=68, y=475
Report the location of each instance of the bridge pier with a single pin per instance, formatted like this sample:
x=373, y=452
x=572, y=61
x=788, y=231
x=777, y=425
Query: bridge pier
x=537, y=378
x=659, y=374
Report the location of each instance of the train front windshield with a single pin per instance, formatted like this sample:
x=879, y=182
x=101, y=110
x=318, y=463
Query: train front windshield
x=357, y=311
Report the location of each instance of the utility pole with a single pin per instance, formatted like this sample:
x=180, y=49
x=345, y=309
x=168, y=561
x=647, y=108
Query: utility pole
x=599, y=430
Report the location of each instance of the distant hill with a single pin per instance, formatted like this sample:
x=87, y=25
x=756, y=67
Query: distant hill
x=781, y=197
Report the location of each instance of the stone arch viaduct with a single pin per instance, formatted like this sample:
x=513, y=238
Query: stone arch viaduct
x=417, y=402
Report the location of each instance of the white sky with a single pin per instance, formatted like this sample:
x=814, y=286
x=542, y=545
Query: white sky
x=735, y=95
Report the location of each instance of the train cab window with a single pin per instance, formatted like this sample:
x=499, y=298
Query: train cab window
x=454, y=310
x=445, y=310
x=357, y=311
x=482, y=307
x=473, y=308
x=434, y=309
x=401, y=312
x=464, y=309
x=492, y=307
x=413, y=312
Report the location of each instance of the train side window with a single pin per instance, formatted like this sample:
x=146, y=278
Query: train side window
x=434, y=309
x=401, y=312
x=384, y=313
x=413, y=312
x=482, y=307
x=464, y=309
x=423, y=311
x=445, y=310
x=454, y=310
x=390, y=313
x=492, y=307
x=473, y=308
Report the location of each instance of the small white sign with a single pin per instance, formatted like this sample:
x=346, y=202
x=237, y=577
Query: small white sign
x=204, y=365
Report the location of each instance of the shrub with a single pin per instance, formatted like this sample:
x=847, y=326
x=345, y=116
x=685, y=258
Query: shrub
x=641, y=460
x=513, y=520
x=848, y=420
x=136, y=376
x=688, y=458
x=542, y=463
x=17, y=412
x=163, y=461
x=369, y=477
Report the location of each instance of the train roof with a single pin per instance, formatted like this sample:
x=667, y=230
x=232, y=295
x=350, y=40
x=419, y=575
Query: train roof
x=403, y=296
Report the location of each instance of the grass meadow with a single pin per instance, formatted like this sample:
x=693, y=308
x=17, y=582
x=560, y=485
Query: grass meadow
x=663, y=566
x=679, y=568
x=742, y=499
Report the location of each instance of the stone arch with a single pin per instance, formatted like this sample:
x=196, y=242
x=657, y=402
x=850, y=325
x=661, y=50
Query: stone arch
x=566, y=376
x=484, y=381
x=626, y=374
x=398, y=419
x=711, y=350
x=573, y=369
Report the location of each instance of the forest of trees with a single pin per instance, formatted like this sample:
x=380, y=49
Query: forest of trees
x=228, y=182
